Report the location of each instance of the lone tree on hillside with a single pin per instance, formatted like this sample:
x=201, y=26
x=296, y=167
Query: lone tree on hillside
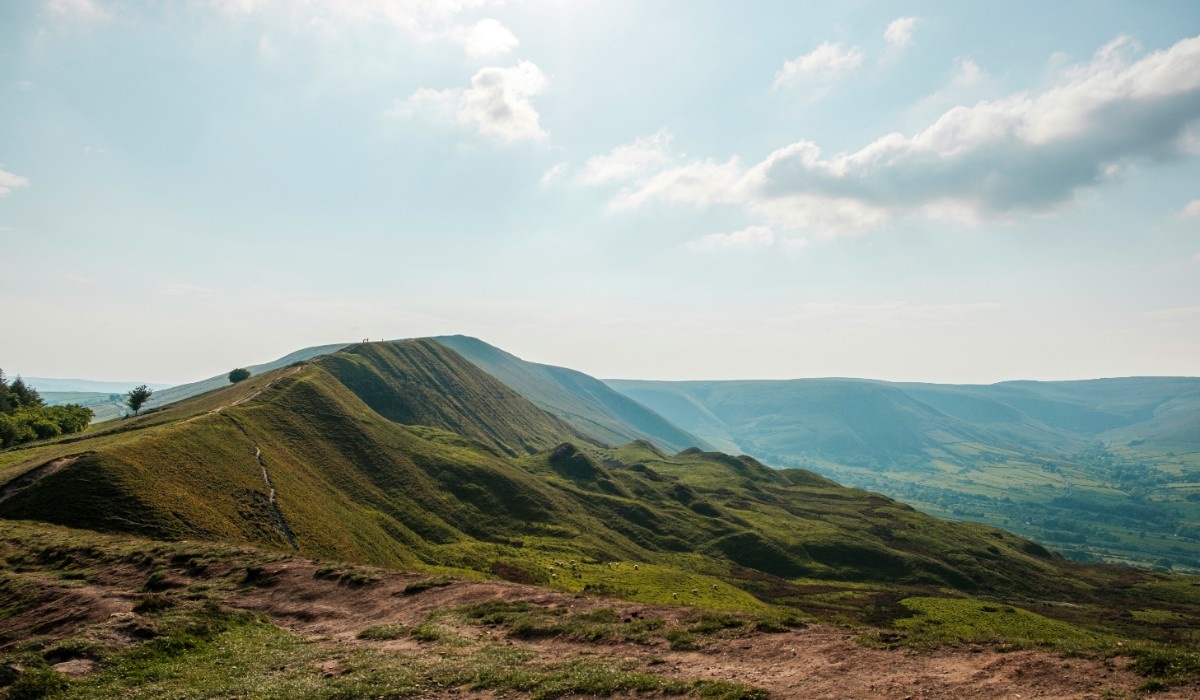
x=136, y=397
x=238, y=375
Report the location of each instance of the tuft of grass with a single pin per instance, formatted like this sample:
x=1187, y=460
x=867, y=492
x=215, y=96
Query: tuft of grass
x=380, y=633
x=38, y=683
x=425, y=584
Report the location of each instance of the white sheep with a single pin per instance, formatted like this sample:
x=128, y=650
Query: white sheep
x=675, y=596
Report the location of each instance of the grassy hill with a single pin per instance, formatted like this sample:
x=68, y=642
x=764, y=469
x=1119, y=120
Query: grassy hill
x=584, y=402
x=1104, y=469
x=405, y=453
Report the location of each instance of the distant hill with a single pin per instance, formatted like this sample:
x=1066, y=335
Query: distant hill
x=583, y=402
x=1106, y=468
x=45, y=384
x=105, y=406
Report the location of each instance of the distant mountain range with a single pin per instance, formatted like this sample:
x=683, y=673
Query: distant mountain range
x=1106, y=468
x=45, y=384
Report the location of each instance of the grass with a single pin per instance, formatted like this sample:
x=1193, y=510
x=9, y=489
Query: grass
x=959, y=621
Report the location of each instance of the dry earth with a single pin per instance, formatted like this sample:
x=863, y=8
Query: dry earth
x=817, y=661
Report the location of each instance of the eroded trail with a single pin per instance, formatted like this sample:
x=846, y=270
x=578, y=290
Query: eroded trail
x=31, y=477
x=281, y=523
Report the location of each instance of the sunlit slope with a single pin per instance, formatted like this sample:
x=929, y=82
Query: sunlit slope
x=354, y=483
x=586, y=403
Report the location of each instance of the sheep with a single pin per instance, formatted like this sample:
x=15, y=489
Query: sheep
x=635, y=568
x=714, y=586
x=675, y=596
x=695, y=591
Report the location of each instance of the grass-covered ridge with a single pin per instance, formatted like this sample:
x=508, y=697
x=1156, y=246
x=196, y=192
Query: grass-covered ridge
x=405, y=454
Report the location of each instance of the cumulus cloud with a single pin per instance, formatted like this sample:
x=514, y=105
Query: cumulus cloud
x=969, y=73
x=8, y=181
x=1191, y=210
x=899, y=32
x=1027, y=152
x=628, y=161
x=497, y=103
x=749, y=237
x=485, y=38
x=827, y=61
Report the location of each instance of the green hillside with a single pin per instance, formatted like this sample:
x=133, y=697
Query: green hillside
x=583, y=402
x=1105, y=469
x=406, y=454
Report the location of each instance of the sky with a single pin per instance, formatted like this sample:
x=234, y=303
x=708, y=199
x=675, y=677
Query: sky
x=923, y=191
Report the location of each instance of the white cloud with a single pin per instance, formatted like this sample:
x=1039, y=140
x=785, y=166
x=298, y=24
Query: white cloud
x=749, y=237
x=497, y=103
x=552, y=173
x=24, y=85
x=827, y=61
x=95, y=151
x=969, y=73
x=83, y=10
x=1025, y=152
x=441, y=104
x=1191, y=210
x=628, y=161
x=698, y=183
x=486, y=38
x=8, y=181
x=899, y=32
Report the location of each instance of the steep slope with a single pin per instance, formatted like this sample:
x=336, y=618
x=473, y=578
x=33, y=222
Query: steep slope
x=328, y=457
x=585, y=403
x=420, y=382
x=1104, y=468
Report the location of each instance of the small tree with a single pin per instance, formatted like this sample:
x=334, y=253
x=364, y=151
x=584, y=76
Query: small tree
x=136, y=397
x=238, y=375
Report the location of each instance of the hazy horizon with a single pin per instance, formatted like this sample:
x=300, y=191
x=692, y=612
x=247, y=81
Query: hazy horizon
x=683, y=190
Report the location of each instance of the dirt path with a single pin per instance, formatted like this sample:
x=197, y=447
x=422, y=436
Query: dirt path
x=813, y=662
x=31, y=477
x=244, y=399
x=817, y=662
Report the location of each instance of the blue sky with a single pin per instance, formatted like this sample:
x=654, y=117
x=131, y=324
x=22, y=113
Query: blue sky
x=952, y=192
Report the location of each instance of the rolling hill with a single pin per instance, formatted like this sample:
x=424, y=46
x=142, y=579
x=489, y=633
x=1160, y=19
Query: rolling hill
x=585, y=403
x=1106, y=469
x=405, y=453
